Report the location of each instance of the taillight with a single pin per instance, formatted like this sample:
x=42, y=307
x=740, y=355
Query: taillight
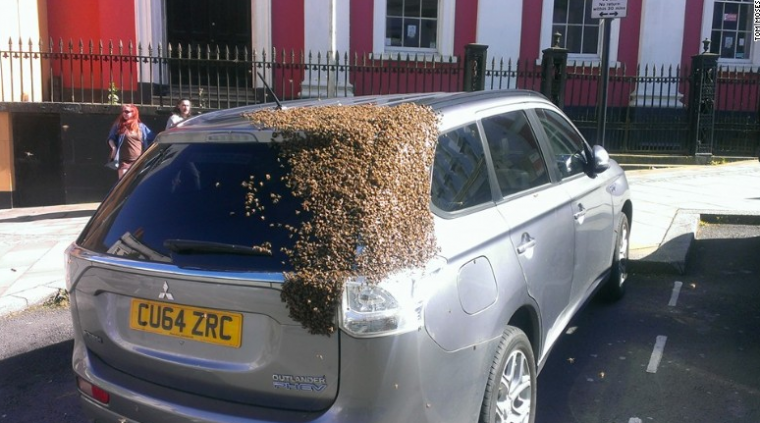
x=391, y=306
x=92, y=391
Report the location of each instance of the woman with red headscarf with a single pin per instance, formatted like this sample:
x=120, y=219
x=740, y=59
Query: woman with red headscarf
x=128, y=138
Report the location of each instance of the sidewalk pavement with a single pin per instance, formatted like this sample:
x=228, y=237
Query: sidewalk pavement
x=669, y=203
x=32, y=242
x=667, y=206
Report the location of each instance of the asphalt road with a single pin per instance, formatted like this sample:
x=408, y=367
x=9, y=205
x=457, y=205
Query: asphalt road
x=36, y=381
x=706, y=322
x=605, y=371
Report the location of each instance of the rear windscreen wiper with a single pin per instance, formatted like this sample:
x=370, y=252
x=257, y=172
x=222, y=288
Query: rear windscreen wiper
x=188, y=246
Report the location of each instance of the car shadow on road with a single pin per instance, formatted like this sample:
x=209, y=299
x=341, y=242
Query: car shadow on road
x=599, y=370
x=39, y=386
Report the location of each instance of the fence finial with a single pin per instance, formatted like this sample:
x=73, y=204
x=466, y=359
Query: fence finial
x=706, y=43
x=557, y=37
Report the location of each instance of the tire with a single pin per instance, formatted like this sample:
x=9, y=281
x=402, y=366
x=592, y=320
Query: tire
x=510, y=395
x=614, y=287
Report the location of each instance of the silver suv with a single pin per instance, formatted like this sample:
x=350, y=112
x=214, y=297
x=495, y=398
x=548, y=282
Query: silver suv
x=175, y=321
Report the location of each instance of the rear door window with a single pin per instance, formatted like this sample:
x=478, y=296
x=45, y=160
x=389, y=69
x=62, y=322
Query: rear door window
x=185, y=204
x=517, y=159
x=460, y=173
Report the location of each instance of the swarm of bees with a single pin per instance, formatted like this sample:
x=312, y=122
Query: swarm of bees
x=363, y=174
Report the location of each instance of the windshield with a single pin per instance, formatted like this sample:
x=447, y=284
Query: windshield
x=200, y=205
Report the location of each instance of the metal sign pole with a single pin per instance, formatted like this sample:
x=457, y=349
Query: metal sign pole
x=603, y=82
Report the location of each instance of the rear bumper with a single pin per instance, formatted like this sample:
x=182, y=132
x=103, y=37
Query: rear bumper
x=393, y=379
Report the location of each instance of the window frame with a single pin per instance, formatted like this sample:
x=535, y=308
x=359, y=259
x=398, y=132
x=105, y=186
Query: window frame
x=445, y=36
x=547, y=39
x=708, y=13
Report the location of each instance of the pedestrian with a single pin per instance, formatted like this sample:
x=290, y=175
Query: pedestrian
x=128, y=138
x=181, y=112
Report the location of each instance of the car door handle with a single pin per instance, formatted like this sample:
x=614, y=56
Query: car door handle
x=580, y=216
x=526, y=243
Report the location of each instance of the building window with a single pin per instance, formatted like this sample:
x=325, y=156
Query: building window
x=580, y=34
x=419, y=27
x=731, y=34
x=412, y=23
x=572, y=19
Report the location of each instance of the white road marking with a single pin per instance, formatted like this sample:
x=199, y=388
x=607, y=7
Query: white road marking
x=634, y=420
x=654, y=360
x=674, y=295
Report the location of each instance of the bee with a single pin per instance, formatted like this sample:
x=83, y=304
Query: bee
x=359, y=169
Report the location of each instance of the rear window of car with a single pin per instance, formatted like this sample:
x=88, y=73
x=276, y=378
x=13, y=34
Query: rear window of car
x=185, y=204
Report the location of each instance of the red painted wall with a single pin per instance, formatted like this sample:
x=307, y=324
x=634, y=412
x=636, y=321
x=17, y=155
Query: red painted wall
x=531, y=31
x=288, y=40
x=288, y=25
x=692, y=44
x=465, y=25
x=361, y=26
x=72, y=21
x=628, y=46
x=91, y=20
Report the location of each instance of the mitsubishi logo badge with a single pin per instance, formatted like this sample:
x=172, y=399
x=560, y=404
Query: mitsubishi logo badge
x=166, y=294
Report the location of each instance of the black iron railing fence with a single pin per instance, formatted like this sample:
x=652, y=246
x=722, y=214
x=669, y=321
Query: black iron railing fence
x=215, y=77
x=647, y=105
x=646, y=110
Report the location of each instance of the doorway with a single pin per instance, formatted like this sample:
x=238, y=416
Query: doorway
x=207, y=25
x=37, y=160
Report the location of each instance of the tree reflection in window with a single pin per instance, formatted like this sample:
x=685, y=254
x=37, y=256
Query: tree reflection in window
x=517, y=159
x=460, y=178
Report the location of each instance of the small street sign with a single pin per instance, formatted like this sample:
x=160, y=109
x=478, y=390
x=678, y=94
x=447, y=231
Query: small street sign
x=609, y=9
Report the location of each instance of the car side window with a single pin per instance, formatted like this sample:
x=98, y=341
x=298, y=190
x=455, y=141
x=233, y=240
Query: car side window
x=515, y=152
x=460, y=176
x=567, y=144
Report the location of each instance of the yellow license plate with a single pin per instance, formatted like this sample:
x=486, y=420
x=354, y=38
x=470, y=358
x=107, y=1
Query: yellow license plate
x=199, y=324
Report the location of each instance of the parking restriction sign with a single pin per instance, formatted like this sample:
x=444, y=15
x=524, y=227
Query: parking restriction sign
x=609, y=9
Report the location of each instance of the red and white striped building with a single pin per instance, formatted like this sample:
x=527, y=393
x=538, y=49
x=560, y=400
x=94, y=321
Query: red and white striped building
x=662, y=33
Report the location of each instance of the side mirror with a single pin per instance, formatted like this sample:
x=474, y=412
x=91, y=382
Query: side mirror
x=601, y=159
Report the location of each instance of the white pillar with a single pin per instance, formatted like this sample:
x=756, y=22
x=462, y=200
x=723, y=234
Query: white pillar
x=149, y=30
x=326, y=34
x=261, y=37
x=500, y=28
x=19, y=24
x=660, y=47
x=261, y=17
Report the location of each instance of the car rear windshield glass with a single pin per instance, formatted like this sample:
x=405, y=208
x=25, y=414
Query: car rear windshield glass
x=185, y=204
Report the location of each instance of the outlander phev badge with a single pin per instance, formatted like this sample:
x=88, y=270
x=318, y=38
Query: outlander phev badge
x=166, y=295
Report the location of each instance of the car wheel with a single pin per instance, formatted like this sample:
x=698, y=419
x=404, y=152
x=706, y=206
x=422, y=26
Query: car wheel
x=511, y=389
x=614, y=288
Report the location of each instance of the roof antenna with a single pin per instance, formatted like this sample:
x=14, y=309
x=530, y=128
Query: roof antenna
x=276, y=100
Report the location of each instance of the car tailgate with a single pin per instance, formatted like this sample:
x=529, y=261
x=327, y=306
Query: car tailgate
x=182, y=330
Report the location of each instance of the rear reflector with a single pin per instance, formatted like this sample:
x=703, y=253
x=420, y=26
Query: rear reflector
x=92, y=391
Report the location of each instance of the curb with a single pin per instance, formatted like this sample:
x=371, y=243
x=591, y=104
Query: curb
x=671, y=256
x=11, y=304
